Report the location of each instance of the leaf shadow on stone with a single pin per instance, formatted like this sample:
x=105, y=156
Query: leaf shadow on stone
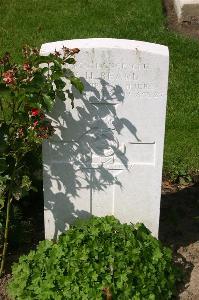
x=85, y=153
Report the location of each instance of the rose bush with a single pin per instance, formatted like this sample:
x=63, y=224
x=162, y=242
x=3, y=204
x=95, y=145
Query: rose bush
x=27, y=92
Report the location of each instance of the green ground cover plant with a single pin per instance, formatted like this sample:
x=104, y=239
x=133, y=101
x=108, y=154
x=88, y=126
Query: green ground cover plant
x=36, y=22
x=99, y=258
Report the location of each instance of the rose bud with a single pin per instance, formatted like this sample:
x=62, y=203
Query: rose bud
x=26, y=67
x=42, y=116
x=57, y=53
x=20, y=132
x=66, y=50
x=74, y=50
x=35, y=123
x=6, y=57
x=35, y=51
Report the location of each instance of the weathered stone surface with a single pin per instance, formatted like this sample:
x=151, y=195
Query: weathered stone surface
x=106, y=154
x=187, y=10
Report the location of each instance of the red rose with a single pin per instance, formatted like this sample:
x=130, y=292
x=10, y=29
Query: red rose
x=35, y=112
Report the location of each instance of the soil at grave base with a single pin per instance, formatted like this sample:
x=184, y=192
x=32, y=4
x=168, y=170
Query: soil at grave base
x=187, y=28
x=179, y=229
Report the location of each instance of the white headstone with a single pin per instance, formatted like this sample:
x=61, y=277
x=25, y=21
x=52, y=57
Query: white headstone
x=106, y=155
x=187, y=10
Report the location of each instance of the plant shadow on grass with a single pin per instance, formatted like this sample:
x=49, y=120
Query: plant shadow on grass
x=179, y=227
x=84, y=156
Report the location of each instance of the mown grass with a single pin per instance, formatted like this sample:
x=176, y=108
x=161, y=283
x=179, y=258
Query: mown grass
x=35, y=22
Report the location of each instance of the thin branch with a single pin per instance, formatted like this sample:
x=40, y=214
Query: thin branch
x=5, y=244
x=2, y=109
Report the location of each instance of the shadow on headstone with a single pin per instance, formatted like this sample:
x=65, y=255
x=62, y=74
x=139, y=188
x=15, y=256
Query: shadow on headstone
x=84, y=153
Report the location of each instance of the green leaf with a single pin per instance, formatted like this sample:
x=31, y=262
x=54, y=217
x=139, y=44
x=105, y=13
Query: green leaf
x=3, y=87
x=45, y=70
x=43, y=59
x=61, y=95
x=56, y=73
x=77, y=83
x=36, y=105
x=26, y=183
x=70, y=60
x=57, y=63
x=2, y=202
x=67, y=73
x=3, y=137
x=48, y=102
x=38, y=80
x=3, y=147
x=60, y=84
x=5, y=92
x=3, y=165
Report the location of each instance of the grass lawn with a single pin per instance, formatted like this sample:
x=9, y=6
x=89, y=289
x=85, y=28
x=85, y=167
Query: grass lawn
x=35, y=22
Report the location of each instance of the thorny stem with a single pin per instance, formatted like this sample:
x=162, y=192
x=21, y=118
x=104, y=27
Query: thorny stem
x=5, y=244
x=48, y=76
x=2, y=109
x=20, y=103
x=13, y=110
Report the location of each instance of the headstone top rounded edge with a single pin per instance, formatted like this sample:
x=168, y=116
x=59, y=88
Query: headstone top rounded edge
x=105, y=43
